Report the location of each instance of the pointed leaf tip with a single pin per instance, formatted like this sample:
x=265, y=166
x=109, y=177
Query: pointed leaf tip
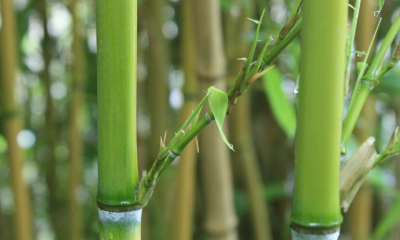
x=381, y=3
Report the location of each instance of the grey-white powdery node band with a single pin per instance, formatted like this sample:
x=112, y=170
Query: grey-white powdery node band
x=307, y=236
x=120, y=217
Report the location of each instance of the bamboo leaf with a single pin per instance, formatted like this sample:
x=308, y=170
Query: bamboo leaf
x=260, y=57
x=282, y=109
x=251, y=54
x=381, y=3
x=218, y=103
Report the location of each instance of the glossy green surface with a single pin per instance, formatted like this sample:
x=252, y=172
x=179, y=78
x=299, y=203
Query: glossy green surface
x=116, y=69
x=323, y=46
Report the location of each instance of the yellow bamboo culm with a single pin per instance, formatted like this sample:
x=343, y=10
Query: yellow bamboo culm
x=12, y=123
x=220, y=219
x=360, y=212
x=239, y=122
x=157, y=90
x=183, y=210
x=75, y=127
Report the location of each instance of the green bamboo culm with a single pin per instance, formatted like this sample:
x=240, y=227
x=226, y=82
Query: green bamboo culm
x=316, y=208
x=117, y=154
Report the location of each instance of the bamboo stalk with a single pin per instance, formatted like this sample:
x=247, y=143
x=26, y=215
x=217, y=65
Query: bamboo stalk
x=183, y=206
x=75, y=127
x=360, y=212
x=240, y=134
x=395, y=231
x=6, y=226
x=117, y=164
x=220, y=220
x=157, y=92
x=245, y=154
x=316, y=206
x=12, y=123
x=50, y=136
x=183, y=210
x=158, y=75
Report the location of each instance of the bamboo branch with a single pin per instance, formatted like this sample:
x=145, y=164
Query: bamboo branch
x=175, y=148
x=368, y=81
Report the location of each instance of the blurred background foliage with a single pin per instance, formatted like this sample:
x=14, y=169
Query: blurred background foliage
x=46, y=82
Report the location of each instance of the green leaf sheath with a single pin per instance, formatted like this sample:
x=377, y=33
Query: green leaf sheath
x=282, y=109
x=353, y=113
x=361, y=67
x=116, y=71
x=195, y=114
x=177, y=150
x=350, y=43
x=278, y=47
x=316, y=204
x=375, y=65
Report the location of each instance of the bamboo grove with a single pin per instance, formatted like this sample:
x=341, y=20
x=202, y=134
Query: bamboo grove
x=189, y=119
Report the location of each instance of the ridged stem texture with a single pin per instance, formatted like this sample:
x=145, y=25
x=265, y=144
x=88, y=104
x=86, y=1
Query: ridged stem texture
x=116, y=71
